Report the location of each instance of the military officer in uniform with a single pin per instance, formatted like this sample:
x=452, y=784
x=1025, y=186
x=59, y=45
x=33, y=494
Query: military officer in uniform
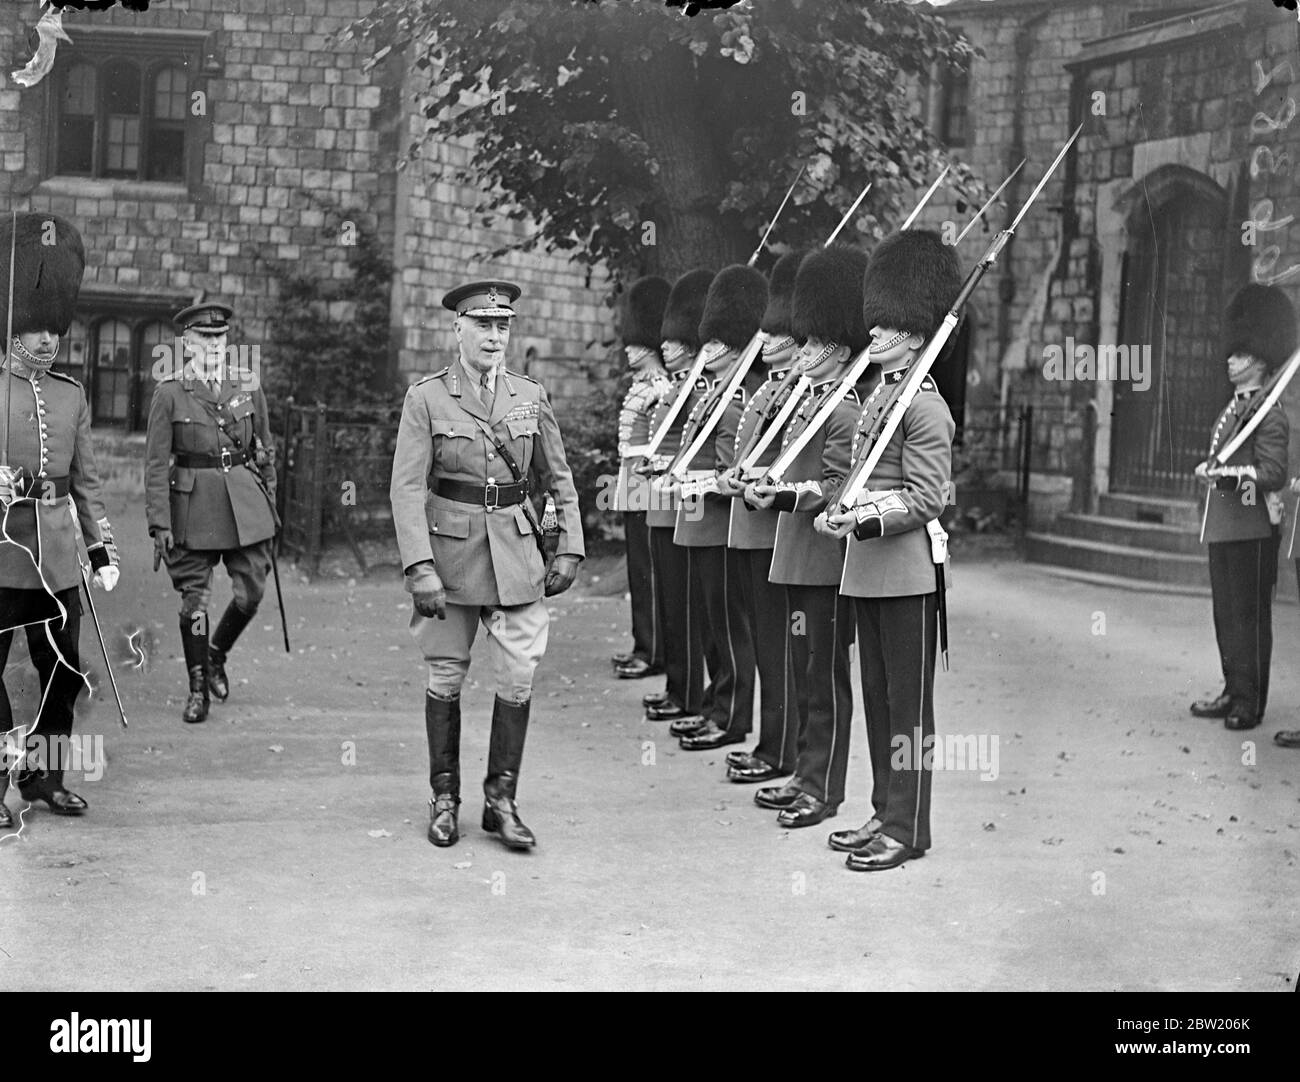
x=733, y=309
x=640, y=332
x=48, y=460
x=827, y=316
x=475, y=443
x=210, y=494
x=912, y=281
x=1243, y=509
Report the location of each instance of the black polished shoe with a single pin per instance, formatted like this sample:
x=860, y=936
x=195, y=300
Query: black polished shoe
x=1287, y=738
x=710, y=737
x=59, y=800
x=656, y=698
x=6, y=816
x=742, y=757
x=880, y=854
x=1240, y=722
x=850, y=841
x=777, y=797
x=806, y=811
x=636, y=669
x=444, y=827
x=501, y=814
x=669, y=711
x=688, y=724
x=1212, y=708
x=196, y=703
x=755, y=771
x=621, y=659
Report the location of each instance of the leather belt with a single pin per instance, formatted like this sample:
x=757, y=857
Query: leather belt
x=223, y=461
x=489, y=496
x=46, y=488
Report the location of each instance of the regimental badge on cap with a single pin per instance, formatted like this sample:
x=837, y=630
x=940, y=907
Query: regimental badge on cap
x=484, y=300
x=207, y=317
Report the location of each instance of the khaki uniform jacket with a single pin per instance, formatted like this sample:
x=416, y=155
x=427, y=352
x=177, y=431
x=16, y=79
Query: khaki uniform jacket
x=748, y=528
x=917, y=466
x=49, y=438
x=483, y=557
x=208, y=508
x=661, y=509
x=1241, y=513
x=802, y=556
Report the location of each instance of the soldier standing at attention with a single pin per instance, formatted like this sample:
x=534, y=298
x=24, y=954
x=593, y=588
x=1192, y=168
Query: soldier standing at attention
x=640, y=333
x=826, y=314
x=1243, y=507
x=733, y=309
x=210, y=494
x=475, y=441
x=48, y=459
x=890, y=576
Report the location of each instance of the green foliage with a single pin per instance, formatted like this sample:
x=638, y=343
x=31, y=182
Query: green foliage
x=589, y=426
x=329, y=336
x=592, y=118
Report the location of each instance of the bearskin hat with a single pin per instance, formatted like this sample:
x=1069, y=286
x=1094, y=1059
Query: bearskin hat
x=780, y=293
x=912, y=281
x=734, y=306
x=827, y=301
x=685, y=308
x=49, y=260
x=643, y=314
x=1260, y=321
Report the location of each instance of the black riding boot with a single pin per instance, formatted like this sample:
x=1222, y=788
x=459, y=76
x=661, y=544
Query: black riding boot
x=505, y=754
x=196, y=664
x=442, y=727
x=233, y=622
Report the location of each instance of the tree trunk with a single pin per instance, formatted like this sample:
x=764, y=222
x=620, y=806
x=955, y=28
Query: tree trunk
x=661, y=99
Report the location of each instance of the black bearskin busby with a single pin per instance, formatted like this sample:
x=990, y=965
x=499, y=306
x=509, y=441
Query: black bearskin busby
x=1260, y=321
x=49, y=261
x=643, y=314
x=912, y=280
x=734, y=306
x=686, y=308
x=780, y=294
x=827, y=301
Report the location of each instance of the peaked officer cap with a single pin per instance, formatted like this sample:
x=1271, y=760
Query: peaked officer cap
x=1260, y=321
x=827, y=301
x=780, y=293
x=483, y=300
x=643, y=314
x=734, y=306
x=206, y=317
x=686, y=308
x=49, y=261
x=912, y=281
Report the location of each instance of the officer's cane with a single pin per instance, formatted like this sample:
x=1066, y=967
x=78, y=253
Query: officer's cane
x=279, y=598
x=85, y=581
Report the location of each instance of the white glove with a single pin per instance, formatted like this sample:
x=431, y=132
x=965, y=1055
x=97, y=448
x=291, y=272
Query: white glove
x=106, y=577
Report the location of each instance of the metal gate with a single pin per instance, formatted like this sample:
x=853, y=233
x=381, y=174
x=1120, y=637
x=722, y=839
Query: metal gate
x=333, y=484
x=1172, y=302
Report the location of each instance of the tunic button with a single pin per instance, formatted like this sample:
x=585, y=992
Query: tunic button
x=491, y=455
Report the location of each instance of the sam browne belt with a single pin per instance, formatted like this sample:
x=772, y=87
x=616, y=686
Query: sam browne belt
x=489, y=496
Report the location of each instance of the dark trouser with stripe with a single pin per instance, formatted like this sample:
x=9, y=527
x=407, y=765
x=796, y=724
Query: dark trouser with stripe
x=728, y=647
x=819, y=628
x=681, y=618
x=896, y=646
x=647, y=642
x=1243, y=575
x=60, y=684
x=778, y=718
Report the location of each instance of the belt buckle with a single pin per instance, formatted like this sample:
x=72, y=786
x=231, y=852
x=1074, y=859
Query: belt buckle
x=494, y=488
x=226, y=461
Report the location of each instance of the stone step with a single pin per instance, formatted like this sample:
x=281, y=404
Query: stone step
x=1125, y=561
x=1183, y=513
x=1129, y=534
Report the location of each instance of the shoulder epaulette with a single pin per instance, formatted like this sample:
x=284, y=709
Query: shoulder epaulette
x=853, y=394
x=928, y=384
x=65, y=377
x=739, y=394
x=524, y=376
x=434, y=375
